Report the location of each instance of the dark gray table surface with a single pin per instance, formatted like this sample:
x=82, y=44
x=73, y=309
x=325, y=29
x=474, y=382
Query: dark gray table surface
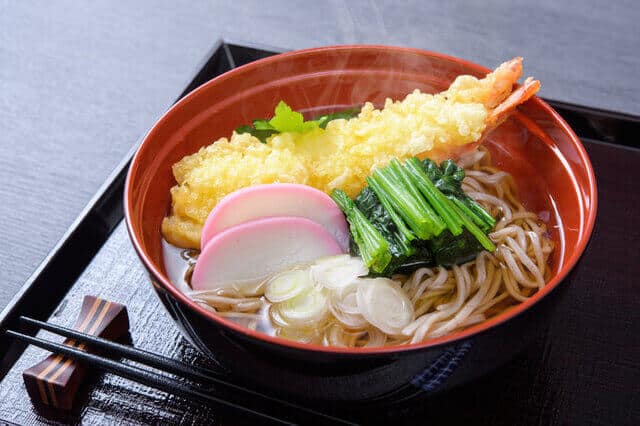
x=80, y=82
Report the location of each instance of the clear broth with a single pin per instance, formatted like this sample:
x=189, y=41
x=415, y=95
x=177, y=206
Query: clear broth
x=179, y=263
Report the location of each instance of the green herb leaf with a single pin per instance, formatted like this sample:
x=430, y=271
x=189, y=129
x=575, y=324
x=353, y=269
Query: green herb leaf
x=262, y=125
x=348, y=114
x=261, y=134
x=288, y=120
x=245, y=128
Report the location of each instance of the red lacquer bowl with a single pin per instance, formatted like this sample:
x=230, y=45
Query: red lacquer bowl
x=550, y=165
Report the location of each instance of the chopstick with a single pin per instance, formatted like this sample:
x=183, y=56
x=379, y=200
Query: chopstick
x=163, y=363
x=151, y=359
x=139, y=375
x=153, y=379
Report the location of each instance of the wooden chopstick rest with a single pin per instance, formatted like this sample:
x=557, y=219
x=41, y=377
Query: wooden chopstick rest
x=55, y=380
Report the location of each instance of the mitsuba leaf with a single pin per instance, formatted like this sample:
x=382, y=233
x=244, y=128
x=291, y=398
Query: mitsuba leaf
x=286, y=119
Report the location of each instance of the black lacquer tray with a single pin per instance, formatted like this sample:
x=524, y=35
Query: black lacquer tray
x=584, y=370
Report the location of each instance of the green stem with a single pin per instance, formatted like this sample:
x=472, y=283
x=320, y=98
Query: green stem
x=471, y=227
x=404, y=205
x=462, y=205
x=438, y=223
x=437, y=199
x=403, y=230
x=374, y=249
x=488, y=220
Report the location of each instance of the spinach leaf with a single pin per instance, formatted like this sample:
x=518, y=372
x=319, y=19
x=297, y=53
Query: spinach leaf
x=385, y=205
x=448, y=179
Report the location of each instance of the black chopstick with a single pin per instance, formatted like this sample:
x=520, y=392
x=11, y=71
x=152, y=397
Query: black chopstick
x=149, y=358
x=166, y=364
x=136, y=374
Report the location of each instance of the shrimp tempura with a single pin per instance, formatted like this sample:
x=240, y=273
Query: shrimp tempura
x=341, y=156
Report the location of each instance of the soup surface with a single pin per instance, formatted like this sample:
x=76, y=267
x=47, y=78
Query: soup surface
x=442, y=300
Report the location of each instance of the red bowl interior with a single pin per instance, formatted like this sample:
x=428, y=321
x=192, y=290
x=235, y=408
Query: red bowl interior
x=550, y=166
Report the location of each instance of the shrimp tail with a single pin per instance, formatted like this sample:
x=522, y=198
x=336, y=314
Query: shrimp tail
x=500, y=102
x=501, y=81
x=504, y=109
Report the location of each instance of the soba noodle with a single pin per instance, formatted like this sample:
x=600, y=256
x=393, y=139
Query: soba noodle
x=444, y=300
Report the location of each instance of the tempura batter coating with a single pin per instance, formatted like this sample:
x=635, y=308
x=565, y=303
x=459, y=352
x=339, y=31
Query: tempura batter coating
x=342, y=155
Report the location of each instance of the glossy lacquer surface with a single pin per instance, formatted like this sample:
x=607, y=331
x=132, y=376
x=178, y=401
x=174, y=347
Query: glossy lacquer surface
x=581, y=370
x=545, y=157
x=536, y=146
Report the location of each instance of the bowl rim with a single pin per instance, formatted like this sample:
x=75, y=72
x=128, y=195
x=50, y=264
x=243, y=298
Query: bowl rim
x=450, y=338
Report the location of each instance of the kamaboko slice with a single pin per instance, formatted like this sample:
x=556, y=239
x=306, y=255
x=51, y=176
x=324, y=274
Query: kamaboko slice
x=273, y=200
x=244, y=256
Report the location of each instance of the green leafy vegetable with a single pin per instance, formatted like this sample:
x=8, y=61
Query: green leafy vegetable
x=384, y=213
x=448, y=250
x=347, y=114
x=287, y=120
x=261, y=134
x=403, y=203
x=436, y=198
x=423, y=215
x=471, y=226
x=372, y=246
x=263, y=125
x=397, y=235
x=448, y=179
